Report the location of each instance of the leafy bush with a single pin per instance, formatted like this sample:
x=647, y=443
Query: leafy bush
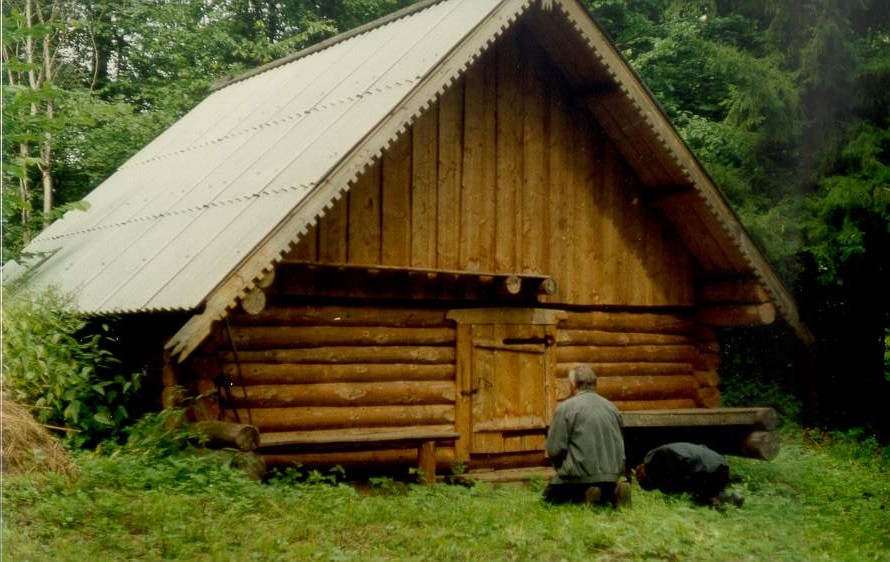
x=159, y=434
x=757, y=390
x=55, y=362
x=761, y=368
x=160, y=454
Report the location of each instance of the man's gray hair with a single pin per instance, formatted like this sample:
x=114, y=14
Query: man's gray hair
x=583, y=377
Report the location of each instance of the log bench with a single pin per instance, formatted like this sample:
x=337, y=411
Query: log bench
x=744, y=432
x=424, y=439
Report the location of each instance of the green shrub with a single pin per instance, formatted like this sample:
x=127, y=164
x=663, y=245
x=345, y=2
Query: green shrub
x=159, y=434
x=762, y=367
x=55, y=362
x=758, y=391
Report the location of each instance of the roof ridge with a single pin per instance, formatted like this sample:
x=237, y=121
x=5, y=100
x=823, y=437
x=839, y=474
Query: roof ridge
x=329, y=42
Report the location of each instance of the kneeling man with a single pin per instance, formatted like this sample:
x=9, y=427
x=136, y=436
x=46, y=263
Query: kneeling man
x=678, y=468
x=586, y=444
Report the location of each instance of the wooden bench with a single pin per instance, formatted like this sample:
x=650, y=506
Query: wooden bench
x=745, y=432
x=424, y=439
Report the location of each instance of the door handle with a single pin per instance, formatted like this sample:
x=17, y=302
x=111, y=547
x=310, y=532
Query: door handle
x=546, y=341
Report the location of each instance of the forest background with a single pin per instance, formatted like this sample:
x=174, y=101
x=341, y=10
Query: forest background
x=786, y=103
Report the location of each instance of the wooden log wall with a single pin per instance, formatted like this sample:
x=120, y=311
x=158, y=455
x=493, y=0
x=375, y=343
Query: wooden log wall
x=329, y=367
x=506, y=173
x=644, y=361
x=351, y=368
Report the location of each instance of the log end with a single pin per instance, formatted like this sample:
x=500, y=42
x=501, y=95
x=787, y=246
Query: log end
x=547, y=286
x=762, y=445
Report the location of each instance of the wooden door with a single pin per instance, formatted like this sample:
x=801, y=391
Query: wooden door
x=506, y=376
x=509, y=388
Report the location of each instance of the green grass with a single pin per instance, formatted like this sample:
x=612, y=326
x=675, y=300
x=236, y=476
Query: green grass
x=819, y=500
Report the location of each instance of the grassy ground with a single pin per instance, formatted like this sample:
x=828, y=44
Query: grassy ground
x=818, y=500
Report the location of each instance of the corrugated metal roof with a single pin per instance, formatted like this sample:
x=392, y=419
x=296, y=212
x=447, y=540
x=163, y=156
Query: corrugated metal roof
x=176, y=219
x=203, y=211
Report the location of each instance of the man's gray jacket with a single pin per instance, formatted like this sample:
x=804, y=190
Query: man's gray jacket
x=585, y=440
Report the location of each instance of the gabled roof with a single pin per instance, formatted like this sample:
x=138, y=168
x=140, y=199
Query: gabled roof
x=196, y=218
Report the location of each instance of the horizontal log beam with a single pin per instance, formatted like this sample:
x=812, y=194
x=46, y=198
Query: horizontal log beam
x=600, y=337
x=324, y=417
x=346, y=394
x=304, y=373
x=637, y=405
x=630, y=322
x=270, y=337
x=627, y=354
x=405, y=270
x=346, y=355
x=358, y=460
x=358, y=436
x=727, y=440
x=738, y=315
x=342, y=316
x=638, y=387
x=756, y=418
x=630, y=368
x=222, y=434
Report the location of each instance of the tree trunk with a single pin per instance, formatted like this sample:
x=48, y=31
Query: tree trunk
x=46, y=148
x=25, y=193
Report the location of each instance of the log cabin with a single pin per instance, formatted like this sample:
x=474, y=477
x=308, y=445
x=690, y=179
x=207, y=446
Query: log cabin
x=395, y=244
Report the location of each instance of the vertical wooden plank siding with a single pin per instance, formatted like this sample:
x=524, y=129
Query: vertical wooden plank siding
x=477, y=226
x=332, y=233
x=424, y=189
x=596, y=170
x=488, y=187
x=396, y=202
x=471, y=184
x=450, y=164
x=611, y=212
x=585, y=157
x=535, y=178
x=560, y=204
x=509, y=155
x=506, y=173
x=634, y=234
x=364, y=218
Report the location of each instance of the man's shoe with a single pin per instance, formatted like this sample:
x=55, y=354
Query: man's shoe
x=593, y=495
x=622, y=494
